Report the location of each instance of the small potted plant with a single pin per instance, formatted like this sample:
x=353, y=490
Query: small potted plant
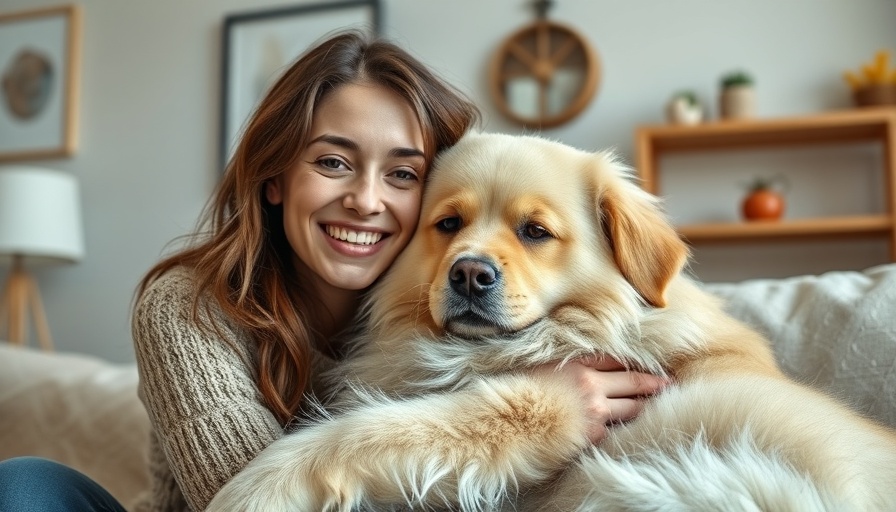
x=684, y=108
x=764, y=199
x=875, y=84
x=737, y=99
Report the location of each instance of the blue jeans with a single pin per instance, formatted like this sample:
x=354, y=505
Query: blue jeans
x=33, y=484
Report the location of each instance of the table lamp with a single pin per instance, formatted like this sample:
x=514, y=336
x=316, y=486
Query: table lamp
x=40, y=224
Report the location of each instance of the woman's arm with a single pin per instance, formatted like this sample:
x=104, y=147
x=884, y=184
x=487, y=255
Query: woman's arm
x=207, y=416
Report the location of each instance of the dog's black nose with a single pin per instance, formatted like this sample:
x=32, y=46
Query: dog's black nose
x=471, y=276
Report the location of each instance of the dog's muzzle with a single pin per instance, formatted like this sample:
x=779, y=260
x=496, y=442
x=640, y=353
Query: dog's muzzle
x=475, y=305
x=473, y=277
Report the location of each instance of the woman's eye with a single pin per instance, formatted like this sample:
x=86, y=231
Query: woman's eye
x=449, y=225
x=405, y=175
x=331, y=163
x=534, y=231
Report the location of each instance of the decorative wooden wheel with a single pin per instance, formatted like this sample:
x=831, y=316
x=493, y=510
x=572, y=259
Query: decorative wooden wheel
x=544, y=75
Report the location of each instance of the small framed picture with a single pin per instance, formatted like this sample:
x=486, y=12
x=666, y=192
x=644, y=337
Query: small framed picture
x=258, y=46
x=39, y=72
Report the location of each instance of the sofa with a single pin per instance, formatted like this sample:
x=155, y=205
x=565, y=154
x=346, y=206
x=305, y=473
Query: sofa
x=836, y=331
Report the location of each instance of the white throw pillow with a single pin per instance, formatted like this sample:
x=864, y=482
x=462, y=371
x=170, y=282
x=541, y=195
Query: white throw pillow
x=836, y=331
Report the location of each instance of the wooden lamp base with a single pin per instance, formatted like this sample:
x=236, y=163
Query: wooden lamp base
x=20, y=294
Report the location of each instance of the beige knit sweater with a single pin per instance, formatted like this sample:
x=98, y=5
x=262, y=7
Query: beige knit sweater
x=208, y=419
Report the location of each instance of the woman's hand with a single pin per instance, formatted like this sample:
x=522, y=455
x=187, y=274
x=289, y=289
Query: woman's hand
x=611, y=393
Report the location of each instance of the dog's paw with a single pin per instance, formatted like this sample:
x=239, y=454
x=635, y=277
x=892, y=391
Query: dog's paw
x=280, y=492
x=281, y=478
x=263, y=491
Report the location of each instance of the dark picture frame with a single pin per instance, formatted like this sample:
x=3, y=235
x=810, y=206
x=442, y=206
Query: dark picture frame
x=257, y=46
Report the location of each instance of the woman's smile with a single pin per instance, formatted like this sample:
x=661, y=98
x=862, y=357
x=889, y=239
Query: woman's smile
x=353, y=236
x=354, y=243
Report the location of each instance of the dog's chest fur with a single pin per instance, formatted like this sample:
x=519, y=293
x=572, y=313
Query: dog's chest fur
x=414, y=362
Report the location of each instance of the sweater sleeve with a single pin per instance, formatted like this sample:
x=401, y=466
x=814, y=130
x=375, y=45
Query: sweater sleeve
x=206, y=411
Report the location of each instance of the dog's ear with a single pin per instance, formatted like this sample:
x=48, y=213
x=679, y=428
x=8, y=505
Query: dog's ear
x=646, y=248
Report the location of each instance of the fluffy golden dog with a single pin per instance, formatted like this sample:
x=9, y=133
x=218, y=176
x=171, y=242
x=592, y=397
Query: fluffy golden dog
x=529, y=251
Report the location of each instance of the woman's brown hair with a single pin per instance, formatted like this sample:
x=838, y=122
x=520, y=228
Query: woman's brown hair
x=240, y=257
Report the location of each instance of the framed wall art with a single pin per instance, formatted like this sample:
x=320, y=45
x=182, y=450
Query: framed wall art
x=258, y=46
x=39, y=75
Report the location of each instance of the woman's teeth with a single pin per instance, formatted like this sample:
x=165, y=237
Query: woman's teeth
x=354, y=237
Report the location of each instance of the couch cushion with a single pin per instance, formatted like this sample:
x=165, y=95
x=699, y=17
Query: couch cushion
x=78, y=410
x=836, y=331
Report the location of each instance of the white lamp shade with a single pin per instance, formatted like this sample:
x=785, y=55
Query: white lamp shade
x=40, y=215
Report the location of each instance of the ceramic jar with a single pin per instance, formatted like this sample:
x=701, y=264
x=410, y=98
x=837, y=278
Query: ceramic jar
x=737, y=102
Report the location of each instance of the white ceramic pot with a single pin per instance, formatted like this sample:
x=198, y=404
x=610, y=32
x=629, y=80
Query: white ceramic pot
x=680, y=111
x=737, y=102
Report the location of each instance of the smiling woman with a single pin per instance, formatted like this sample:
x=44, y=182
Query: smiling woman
x=231, y=332
x=336, y=150
x=359, y=180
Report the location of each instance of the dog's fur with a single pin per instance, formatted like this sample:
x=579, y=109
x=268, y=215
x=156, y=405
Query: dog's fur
x=529, y=251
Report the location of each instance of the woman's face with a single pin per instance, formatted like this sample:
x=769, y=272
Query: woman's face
x=351, y=201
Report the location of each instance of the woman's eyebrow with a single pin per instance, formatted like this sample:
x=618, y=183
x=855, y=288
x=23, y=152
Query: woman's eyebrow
x=347, y=143
x=336, y=140
x=406, y=152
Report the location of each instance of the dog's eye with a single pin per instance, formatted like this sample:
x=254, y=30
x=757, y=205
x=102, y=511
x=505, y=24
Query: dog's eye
x=535, y=232
x=449, y=224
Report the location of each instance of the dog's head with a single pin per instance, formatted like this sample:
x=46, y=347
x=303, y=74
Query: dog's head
x=514, y=228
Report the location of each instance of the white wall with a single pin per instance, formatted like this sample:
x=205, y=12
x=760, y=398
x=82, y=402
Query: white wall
x=149, y=112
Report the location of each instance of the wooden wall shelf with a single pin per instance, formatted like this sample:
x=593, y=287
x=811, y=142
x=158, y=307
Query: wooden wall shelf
x=875, y=125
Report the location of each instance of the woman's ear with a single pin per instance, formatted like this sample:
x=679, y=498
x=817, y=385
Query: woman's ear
x=272, y=191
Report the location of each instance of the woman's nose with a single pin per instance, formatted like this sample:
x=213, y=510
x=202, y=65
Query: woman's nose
x=365, y=196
